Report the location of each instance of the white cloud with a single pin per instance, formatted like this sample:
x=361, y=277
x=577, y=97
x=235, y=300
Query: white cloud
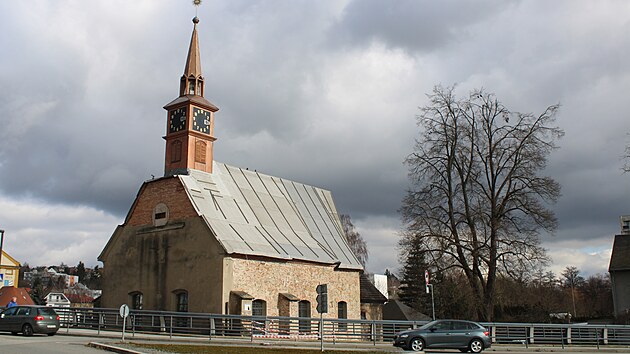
x=43, y=233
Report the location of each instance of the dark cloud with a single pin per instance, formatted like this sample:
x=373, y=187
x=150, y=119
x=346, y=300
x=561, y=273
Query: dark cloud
x=324, y=93
x=412, y=25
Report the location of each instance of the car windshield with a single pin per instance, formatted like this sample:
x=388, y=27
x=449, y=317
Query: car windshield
x=47, y=311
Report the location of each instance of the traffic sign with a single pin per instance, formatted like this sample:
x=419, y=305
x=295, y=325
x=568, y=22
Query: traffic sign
x=322, y=298
x=124, y=311
x=426, y=277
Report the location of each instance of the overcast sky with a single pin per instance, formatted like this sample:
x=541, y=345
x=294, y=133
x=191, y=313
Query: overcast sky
x=321, y=92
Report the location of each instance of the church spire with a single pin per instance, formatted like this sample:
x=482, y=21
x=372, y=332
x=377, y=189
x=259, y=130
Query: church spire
x=190, y=119
x=192, y=80
x=193, y=62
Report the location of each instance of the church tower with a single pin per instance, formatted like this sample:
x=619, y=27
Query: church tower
x=190, y=120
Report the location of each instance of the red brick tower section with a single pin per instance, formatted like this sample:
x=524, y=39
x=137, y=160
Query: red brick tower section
x=190, y=120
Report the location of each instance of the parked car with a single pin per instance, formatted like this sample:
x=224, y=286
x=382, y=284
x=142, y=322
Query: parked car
x=445, y=334
x=29, y=319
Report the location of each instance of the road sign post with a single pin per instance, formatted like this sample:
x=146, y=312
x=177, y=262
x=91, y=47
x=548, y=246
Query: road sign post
x=322, y=308
x=429, y=287
x=124, y=313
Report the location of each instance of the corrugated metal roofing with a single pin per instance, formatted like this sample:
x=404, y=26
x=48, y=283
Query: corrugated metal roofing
x=255, y=214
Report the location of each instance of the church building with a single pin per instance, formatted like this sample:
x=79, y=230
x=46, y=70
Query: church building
x=214, y=238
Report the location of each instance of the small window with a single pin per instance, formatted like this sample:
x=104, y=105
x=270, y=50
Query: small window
x=176, y=151
x=160, y=215
x=304, y=311
x=191, y=87
x=137, y=300
x=200, y=151
x=199, y=88
x=259, y=308
x=342, y=314
x=182, y=301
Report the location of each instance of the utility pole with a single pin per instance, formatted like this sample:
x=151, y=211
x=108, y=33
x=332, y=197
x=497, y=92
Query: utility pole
x=1, y=243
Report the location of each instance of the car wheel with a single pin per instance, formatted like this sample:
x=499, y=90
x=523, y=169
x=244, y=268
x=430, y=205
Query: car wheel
x=476, y=345
x=27, y=330
x=416, y=344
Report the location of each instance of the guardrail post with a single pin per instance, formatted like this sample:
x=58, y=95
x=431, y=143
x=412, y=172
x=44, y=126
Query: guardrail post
x=211, y=328
x=100, y=320
x=530, y=335
x=597, y=334
x=493, y=334
x=170, y=331
x=568, y=335
x=605, y=335
x=373, y=330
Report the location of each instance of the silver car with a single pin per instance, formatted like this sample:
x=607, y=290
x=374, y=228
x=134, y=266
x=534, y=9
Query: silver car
x=445, y=334
x=29, y=319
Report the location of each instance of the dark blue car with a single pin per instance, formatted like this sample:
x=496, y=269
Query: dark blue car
x=445, y=334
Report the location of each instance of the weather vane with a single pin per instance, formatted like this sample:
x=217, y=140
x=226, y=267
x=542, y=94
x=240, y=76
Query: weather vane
x=196, y=3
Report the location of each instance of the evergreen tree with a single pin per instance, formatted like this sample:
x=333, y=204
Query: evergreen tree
x=81, y=272
x=412, y=290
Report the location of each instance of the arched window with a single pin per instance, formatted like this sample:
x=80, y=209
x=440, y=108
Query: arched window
x=200, y=151
x=259, y=308
x=137, y=300
x=304, y=311
x=160, y=214
x=176, y=151
x=342, y=314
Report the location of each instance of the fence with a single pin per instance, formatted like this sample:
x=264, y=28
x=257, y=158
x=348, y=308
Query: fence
x=295, y=328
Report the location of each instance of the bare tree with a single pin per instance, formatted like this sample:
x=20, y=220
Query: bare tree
x=355, y=240
x=572, y=279
x=477, y=201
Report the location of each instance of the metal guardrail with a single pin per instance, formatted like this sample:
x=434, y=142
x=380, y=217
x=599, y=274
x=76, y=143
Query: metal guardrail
x=296, y=329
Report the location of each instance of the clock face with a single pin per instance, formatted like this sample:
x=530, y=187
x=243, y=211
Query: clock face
x=177, y=120
x=201, y=120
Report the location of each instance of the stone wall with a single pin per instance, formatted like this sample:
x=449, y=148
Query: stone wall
x=267, y=279
x=372, y=311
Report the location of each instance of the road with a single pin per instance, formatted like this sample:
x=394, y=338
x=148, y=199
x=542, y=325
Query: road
x=60, y=344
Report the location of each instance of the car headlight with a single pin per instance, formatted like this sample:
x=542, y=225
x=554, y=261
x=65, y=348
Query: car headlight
x=404, y=335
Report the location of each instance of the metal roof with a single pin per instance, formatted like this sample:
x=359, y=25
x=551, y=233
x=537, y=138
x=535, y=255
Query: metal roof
x=252, y=213
x=620, y=257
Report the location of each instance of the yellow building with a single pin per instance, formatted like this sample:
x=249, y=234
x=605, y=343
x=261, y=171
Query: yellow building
x=9, y=271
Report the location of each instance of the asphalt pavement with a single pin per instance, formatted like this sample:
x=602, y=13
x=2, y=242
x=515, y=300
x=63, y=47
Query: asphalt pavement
x=112, y=341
